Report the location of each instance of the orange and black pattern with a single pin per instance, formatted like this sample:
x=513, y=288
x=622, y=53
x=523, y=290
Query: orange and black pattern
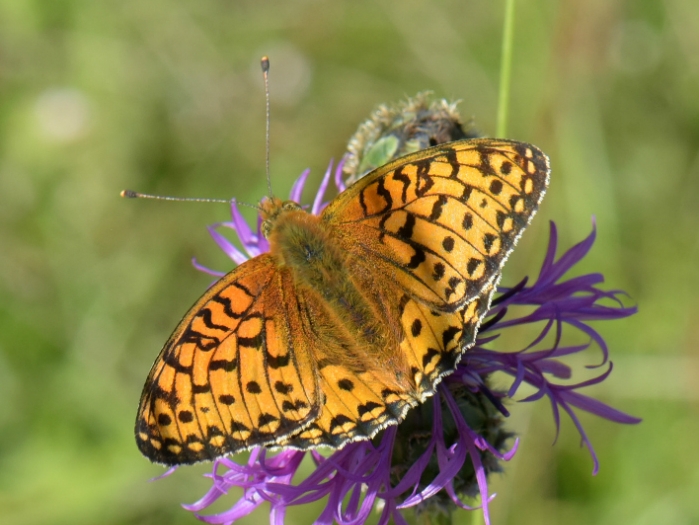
x=332, y=345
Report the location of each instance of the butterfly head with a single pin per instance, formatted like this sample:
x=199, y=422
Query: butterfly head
x=271, y=208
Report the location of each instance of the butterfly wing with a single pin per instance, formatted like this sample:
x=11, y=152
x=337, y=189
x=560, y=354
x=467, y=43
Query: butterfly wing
x=440, y=224
x=358, y=402
x=433, y=229
x=364, y=387
x=235, y=373
x=426, y=236
x=442, y=221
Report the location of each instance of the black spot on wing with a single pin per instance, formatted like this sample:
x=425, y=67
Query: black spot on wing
x=387, y=392
x=278, y=361
x=383, y=192
x=488, y=240
x=437, y=208
x=449, y=334
x=266, y=419
x=185, y=416
x=206, y=316
x=283, y=388
x=418, y=257
x=226, y=399
x=448, y=243
x=367, y=408
x=201, y=389
x=467, y=223
x=205, y=343
x=222, y=364
x=405, y=180
x=253, y=387
x=429, y=355
x=473, y=265
x=406, y=231
x=251, y=342
x=496, y=187
x=170, y=359
x=416, y=328
x=424, y=181
x=345, y=384
x=227, y=305
x=169, y=397
x=339, y=421
x=439, y=270
x=288, y=406
x=237, y=426
x=466, y=193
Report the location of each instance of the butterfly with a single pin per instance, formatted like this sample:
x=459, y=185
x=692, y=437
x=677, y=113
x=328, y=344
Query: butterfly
x=353, y=316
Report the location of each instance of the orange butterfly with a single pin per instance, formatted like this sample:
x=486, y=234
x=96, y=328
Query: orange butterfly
x=353, y=316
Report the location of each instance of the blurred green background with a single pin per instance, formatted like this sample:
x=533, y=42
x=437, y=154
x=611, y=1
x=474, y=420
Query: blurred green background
x=165, y=96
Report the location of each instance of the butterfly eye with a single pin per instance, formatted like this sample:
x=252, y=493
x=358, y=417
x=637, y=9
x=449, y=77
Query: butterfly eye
x=290, y=206
x=266, y=228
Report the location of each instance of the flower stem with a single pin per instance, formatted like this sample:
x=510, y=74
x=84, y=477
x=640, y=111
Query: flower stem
x=505, y=69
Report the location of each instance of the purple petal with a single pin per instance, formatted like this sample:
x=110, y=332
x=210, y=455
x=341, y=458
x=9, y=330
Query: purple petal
x=297, y=188
x=339, y=183
x=550, y=256
x=598, y=408
x=552, y=271
x=165, y=474
x=231, y=251
x=248, y=239
x=205, y=269
x=318, y=201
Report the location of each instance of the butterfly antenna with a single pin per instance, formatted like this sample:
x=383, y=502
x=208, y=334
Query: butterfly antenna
x=247, y=205
x=130, y=194
x=264, y=62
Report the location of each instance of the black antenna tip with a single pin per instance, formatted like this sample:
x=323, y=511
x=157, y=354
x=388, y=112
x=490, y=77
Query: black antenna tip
x=129, y=194
x=264, y=62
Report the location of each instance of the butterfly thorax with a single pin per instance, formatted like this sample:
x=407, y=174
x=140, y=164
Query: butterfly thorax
x=343, y=316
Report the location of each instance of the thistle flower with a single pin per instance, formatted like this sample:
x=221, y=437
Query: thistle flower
x=444, y=450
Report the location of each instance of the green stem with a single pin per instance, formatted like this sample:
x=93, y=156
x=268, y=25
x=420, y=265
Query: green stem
x=505, y=69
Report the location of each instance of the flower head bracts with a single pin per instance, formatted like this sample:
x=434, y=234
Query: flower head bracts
x=573, y=302
x=362, y=476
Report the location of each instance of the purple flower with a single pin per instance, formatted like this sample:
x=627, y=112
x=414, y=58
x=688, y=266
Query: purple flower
x=445, y=448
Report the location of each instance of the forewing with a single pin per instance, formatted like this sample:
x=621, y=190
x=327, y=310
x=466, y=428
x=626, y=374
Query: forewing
x=230, y=377
x=442, y=221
